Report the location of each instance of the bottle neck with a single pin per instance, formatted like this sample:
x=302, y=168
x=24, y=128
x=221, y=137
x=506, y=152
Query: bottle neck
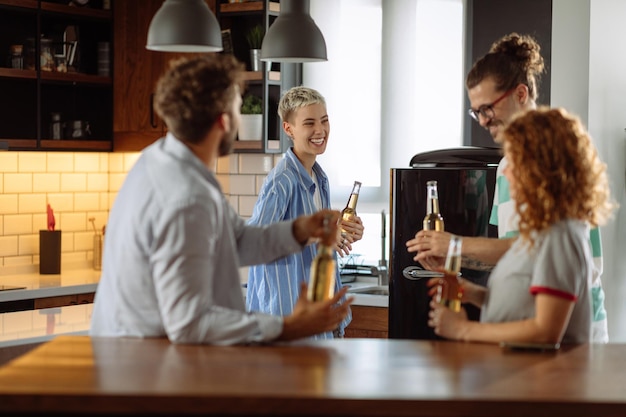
x=432, y=202
x=352, y=201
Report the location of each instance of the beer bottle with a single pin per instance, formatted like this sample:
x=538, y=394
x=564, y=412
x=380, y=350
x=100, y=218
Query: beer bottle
x=322, y=282
x=349, y=212
x=452, y=293
x=433, y=219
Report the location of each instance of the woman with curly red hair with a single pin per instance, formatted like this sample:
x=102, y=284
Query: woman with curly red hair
x=540, y=290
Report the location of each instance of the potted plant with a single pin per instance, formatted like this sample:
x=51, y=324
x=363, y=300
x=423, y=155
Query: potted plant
x=255, y=40
x=251, y=127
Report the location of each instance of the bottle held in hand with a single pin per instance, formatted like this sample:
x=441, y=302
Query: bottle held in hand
x=322, y=283
x=349, y=212
x=433, y=219
x=451, y=293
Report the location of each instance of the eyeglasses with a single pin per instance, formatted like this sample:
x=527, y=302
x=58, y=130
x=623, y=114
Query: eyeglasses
x=486, y=110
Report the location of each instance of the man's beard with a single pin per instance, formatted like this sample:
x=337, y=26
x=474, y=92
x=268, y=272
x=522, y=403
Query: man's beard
x=226, y=145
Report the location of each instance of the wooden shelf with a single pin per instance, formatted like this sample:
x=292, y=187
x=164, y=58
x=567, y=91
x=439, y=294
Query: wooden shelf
x=23, y=4
x=75, y=10
x=17, y=144
x=76, y=77
x=18, y=73
x=59, y=8
x=258, y=76
x=83, y=145
x=248, y=6
x=249, y=145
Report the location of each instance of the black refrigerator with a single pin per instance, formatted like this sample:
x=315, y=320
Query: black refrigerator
x=466, y=181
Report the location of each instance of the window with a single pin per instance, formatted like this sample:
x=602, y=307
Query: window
x=394, y=87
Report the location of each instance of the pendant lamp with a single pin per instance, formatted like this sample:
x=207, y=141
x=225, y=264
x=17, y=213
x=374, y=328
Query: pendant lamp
x=294, y=36
x=184, y=26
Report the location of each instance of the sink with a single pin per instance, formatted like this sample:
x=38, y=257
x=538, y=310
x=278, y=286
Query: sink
x=371, y=290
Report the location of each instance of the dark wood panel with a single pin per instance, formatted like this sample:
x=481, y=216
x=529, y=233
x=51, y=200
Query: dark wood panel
x=489, y=20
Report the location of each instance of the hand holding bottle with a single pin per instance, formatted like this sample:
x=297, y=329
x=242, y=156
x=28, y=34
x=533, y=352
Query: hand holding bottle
x=351, y=231
x=314, y=317
x=307, y=229
x=351, y=224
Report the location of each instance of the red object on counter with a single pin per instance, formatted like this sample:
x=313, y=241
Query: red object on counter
x=51, y=222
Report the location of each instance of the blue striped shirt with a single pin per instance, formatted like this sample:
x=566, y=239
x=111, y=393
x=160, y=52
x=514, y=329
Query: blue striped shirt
x=287, y=192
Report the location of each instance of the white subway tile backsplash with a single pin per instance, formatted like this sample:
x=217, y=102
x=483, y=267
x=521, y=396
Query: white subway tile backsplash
x=32, y=203
x=106, y=200
x=98, y=182
x=46, y=182
x=12, y=261
x=61, y=202
x=100, y=219
x=8, y=204
x=116, y=181
x=60, y=162
x=82, y=185
x=8, y=161
x=116, y=163
x=242, y=185
x=73, y=257
x=83, y=241
x=18, y=224
x=73, y=222
x=31, y=162
x=73, y=182
x=246, y=205
x=86, y=201
x=234, y=201
x=255, y=163
x=8, y=245
x=67, y=243
x=86, y=162
x=224, y=181
x=28, y=244
x=227, y=164
x=40, y=221
x=129, y=160
x=258, y=183
x=18, y=183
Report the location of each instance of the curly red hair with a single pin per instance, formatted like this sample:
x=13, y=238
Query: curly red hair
x=557, y=171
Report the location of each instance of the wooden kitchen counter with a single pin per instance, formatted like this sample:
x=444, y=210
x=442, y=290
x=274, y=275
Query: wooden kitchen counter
x=357, y=377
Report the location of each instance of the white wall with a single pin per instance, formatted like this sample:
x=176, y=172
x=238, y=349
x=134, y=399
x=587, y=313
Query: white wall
x=588, y=67
x=417, y=103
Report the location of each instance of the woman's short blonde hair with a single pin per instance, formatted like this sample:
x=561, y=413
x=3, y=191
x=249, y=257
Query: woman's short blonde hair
x=296, y=98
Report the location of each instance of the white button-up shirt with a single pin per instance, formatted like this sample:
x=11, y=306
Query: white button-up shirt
x=172, y=252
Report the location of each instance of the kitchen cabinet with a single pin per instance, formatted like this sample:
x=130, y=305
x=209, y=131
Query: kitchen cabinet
x=62, y=69
x=46, y=302
x=369, y=322
x=137, y=70
x=237, y=19
x=135, y=124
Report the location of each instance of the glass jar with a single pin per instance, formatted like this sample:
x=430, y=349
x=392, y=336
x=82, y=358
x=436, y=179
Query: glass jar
x=46, y=55
x=17, y=59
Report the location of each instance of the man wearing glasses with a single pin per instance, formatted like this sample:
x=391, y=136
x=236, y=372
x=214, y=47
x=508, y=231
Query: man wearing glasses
x=500, y=84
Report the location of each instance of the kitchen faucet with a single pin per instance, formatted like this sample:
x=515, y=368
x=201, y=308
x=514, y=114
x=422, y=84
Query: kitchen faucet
x=381, y=270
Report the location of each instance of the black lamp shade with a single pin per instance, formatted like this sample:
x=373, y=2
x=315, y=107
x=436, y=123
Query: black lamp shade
x=294, y=36
x=184, y=26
